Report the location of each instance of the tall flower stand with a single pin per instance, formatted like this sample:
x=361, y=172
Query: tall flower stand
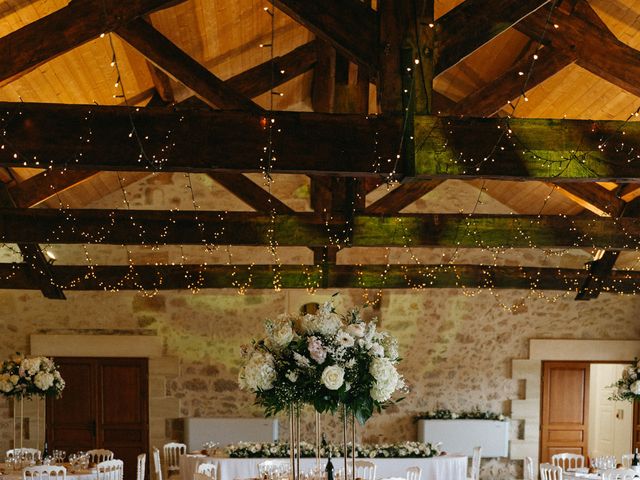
x=27, y=414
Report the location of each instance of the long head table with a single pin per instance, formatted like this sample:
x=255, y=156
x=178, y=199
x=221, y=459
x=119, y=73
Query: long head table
x=446, y=467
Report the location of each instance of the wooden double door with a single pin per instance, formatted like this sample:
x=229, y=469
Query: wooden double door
x=104, y=405
x=564, y=418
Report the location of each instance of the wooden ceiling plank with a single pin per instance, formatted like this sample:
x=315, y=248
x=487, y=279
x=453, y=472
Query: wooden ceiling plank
x=42, y=186
x=490, y=98
x=65, y=29
x=349, y=25
x=250, y=193
x=165, y=55
x=53, y=226
x=39, y=269
x=467, y=27
x=164, y=277
x=629, y=192
x=582, y=33
x=402, y=196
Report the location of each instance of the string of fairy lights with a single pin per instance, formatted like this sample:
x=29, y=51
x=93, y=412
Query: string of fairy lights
x=336, y=237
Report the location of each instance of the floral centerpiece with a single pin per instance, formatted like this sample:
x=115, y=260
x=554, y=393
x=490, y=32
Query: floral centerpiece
x=475, y=414
x=325, y=360
x=385, y=450
x=628, y=387
x=25, y=377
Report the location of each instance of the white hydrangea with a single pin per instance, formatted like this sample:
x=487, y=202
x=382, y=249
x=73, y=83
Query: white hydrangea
x=279, y=333
x=259, y=372
x=5, y=384
x=356, y=329
x=635, y=387
x=43, y=380
x=324, y=324
x=31, y=365
x=386, y=379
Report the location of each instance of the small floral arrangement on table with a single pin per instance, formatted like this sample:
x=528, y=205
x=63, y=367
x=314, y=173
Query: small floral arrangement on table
x=325, y=360
x=385, y=450
x=628, y=387
x=22, y=376
x=475, y=414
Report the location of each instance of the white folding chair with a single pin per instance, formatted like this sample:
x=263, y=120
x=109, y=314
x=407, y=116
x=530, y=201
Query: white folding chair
x=171, y=453
x=414, y=473
x=99, y=455
x=44, y=472
x=141, y=465
x=475, y=464
x=550, y=472
x=568, y=460
x=110, y=470
x=365, y=469
x=210, y=470
x=618, y=474
x=24, y=453
x=627, y=458
x=157, y=465
x=528, y=470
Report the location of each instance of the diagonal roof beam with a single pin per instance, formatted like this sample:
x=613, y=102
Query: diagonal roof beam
x=42, y=186
x=467, y=27
x=65, y=29
x=582, y=33
x=402, y=196
x=249, y=192
x=490, y=98
x=165, y=55
x=349, y=25
x=39, y=269
x=593, y=197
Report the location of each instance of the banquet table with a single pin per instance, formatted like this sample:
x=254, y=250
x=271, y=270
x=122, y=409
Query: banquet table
x=445, y=467
x=7, y=473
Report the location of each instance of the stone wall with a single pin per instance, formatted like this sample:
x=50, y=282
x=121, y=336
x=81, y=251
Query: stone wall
x=457, y=345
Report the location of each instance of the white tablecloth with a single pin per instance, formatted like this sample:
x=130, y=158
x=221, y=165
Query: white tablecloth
x=446, y=467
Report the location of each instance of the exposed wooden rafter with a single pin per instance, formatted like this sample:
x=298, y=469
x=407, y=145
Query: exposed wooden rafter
x=593, y=197
x=250, y=193
x=309, y=229
x=66, y=29
x=473, y=23
x=402, y=196
x=42, y=186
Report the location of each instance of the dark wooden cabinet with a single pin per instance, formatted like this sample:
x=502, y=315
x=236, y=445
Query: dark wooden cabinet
x=104, y=405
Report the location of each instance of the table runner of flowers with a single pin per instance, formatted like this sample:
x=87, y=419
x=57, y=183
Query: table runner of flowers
x=384, y=450
x=475, y=414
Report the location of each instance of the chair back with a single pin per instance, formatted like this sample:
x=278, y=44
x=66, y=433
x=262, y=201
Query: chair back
x=414, y=473
x=141, y=465
x=568, y=460
x=110, y=470
x=365, y=469
x=24, y=453
x=208, y=469
x=271, y=468
x=171, y=453
x=626, y=460
x=528, y=470
x=618, y=474
x=157, y=465
x=550, y=472
x=475, y=463
x=44, y=472
x=100, y=455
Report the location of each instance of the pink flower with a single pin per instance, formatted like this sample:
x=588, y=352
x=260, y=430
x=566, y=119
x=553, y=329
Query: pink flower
x=316, y=350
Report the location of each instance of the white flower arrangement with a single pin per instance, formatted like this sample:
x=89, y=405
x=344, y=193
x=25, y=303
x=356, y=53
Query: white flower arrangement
x=475, y=414
x=385, y=450
x=628, y=387
x=325, y=360
x=22, y=376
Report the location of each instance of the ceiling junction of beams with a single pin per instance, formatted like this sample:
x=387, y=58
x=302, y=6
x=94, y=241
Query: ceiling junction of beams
x=352, y=151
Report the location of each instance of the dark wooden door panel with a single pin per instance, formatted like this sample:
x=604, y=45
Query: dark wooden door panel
x=105, y=405
x=565, y=409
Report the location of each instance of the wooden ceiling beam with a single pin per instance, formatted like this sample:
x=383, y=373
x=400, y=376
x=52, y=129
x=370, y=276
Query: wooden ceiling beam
x=629, y=192
x=350, y=26
x=593, y=197
x=470, y=25
x=73, y=226
x=492, y=97
x=249, y=192
x=40, y=187
x=402, y=196
x=165, y=277
x=168, y=57
x=39, y=268
x=599, y=271
x=581, y=32
x=65, y=29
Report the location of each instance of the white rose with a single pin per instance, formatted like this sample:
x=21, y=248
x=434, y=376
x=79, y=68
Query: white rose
x=635, y=387
x=279, y=334
x=356, y=329
x=332, y=377
x=44, y=381
x=292, y=376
